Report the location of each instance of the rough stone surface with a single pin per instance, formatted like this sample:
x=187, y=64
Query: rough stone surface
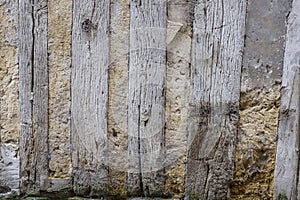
x=178, y=63
x=255, y=151
x=59, y=48
x=260, y=96
x=8, y=74
x=264, y=43
x=59, y=62
x=9, y=168
x=9, y=107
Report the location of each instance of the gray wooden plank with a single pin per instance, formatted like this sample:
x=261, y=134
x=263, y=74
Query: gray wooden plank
x=146, y=107
x=118, y=96
x=33, y=94
x=218, y=39
x=25, y=87
x=39, y=164
x=89, y=93
x=287, y=156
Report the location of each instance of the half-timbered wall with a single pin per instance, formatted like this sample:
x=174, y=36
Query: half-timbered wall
x=132, y=98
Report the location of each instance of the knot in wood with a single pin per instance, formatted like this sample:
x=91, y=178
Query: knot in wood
x=137, y=2
x=86, y=25
x=145, y=116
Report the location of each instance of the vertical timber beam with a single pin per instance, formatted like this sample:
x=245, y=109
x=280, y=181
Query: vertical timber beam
x=33, y=72
x=287, y=157
x=25, y=87
x=89, y=92
x=218, y=40
x=39, y=164
x=146, y=121
x=118, y=96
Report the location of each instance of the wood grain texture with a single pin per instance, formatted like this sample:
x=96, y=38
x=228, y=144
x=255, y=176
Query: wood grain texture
x=33, y=93
x=287, y=157
x=25, y=87
x=218, y=33
x=39, y=164
x=90, y=61
x=118, y=96
x=146, y=98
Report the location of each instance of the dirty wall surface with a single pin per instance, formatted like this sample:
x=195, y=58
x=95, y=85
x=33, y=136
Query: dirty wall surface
x=92, y=96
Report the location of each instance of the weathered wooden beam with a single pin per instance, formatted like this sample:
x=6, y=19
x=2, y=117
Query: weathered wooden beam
x=218, y=39
x=25, y=86
x=287, y=157
x=39, y=164
x=90, y=61
x=118, y=97
x=146, y=107
x=33, y=73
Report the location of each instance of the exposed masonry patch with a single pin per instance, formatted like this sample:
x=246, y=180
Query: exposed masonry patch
x=60, y=19
x=9, y=108
x=256, y=147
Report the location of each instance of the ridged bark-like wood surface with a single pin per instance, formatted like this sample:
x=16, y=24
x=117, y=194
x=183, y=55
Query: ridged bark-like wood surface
x=149, y=98
x=287, y=157
x=33, y=72
x=218, y=40
x=89, y=89
x=146, y=100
